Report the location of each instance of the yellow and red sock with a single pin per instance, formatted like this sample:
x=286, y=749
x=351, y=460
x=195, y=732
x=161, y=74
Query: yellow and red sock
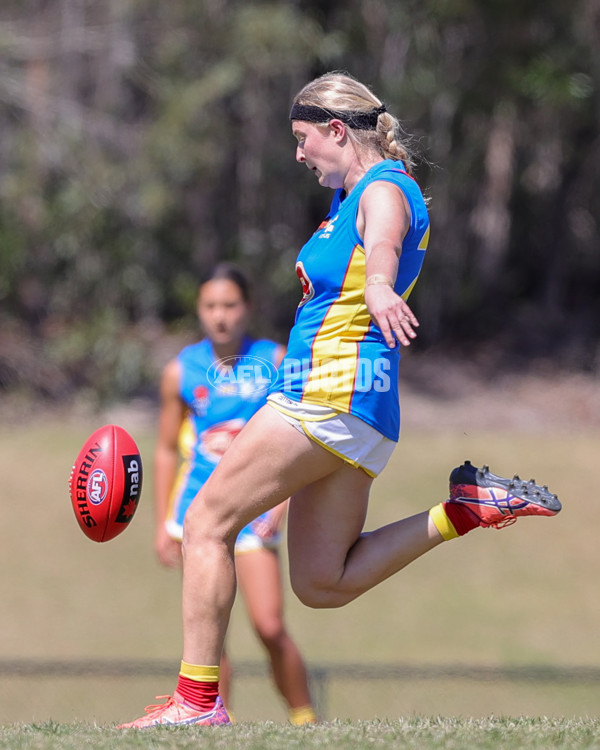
x=453, y=519
x=198, y=685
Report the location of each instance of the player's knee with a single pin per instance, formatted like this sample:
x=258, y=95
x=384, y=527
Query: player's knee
x=206, y=522
x=315, y=598
x=314, y=594
x=271, y=632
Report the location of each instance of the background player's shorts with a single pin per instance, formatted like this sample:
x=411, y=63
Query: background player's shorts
x=248, y=540
x=347, y=436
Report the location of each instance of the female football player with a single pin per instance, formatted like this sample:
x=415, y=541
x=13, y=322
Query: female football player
x=332, y=418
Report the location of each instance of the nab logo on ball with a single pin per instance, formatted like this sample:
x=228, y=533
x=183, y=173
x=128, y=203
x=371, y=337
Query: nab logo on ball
x=97, y=487
x=133, y=485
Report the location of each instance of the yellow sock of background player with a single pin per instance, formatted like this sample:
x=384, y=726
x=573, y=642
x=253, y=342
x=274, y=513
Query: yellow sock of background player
x=302, y=715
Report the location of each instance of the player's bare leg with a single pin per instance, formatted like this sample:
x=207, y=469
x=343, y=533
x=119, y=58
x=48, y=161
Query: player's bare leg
x=225, y=679
x=331, y=560
x=259, y=581
x=268, y=461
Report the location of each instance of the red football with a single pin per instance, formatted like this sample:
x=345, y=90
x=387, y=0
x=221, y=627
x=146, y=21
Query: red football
x=106, y=483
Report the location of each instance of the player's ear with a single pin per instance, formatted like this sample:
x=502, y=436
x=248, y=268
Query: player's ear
x=338, y=129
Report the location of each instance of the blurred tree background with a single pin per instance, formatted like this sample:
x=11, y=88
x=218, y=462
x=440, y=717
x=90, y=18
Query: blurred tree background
x=142, y=142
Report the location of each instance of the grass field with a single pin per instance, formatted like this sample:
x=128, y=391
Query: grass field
x=523, y=596
x=415, y=733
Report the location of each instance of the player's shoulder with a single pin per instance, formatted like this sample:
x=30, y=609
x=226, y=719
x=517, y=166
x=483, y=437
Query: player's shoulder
x=172, y=370
x=392, y=176
x=197, y=352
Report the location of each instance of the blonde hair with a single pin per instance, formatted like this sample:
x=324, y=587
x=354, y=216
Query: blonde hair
x=340, y=92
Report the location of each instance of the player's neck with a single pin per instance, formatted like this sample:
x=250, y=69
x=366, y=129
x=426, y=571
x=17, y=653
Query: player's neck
x=230, y=349
x=359, y=167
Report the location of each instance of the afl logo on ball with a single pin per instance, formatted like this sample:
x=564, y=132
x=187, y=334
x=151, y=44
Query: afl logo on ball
x=97, y=486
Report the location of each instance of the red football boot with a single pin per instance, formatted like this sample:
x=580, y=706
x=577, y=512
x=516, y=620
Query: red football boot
x=498, y=502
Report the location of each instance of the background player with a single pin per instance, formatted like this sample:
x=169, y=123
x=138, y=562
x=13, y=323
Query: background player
x=203, y=407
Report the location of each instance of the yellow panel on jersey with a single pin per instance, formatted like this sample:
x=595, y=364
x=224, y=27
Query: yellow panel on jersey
x=186, y=440
x=423, y=247
x=335, y=349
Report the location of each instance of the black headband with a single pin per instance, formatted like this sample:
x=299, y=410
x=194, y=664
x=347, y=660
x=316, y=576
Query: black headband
x=357, y=120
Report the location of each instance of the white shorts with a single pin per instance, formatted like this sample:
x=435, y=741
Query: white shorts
x=248, y=541
x=347, y=436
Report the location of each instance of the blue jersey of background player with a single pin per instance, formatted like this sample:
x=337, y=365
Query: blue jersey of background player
x=220, y=396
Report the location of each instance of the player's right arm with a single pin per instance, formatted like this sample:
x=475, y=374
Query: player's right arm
x=166, y=460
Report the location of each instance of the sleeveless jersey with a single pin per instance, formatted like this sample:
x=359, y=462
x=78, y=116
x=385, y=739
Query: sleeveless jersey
x=219, y=400
x=336, y=355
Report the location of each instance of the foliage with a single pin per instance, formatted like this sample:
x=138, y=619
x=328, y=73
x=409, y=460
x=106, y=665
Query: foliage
x=141, y=144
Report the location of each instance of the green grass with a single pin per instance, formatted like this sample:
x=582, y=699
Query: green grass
x=526, y=595
x=415, y=733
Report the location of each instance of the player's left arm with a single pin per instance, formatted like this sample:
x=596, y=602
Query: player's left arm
x=383, y=221
x=166, y=460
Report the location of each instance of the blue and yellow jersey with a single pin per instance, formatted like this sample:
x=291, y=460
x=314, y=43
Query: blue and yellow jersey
x=220, y=397
x=336, y=355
